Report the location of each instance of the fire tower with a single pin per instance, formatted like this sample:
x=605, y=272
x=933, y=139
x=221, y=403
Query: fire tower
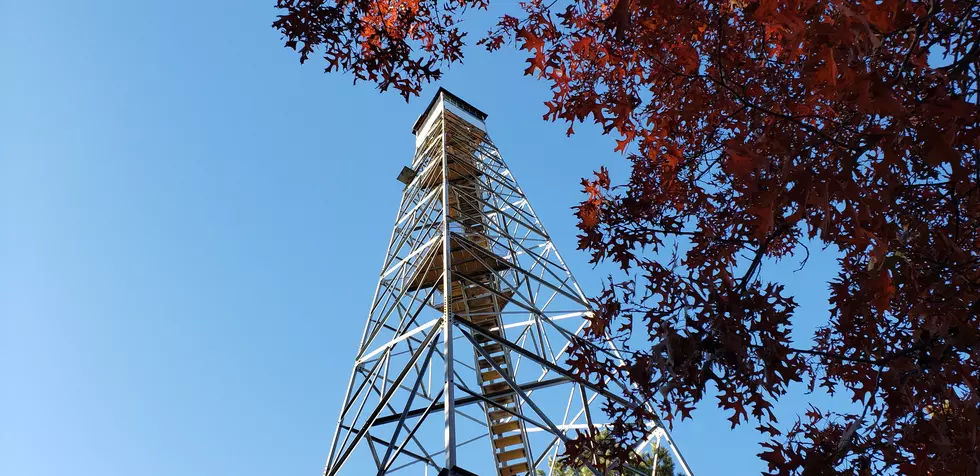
x=461, y=366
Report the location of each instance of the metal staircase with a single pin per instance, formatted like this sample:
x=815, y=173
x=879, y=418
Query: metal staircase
x=477, y=297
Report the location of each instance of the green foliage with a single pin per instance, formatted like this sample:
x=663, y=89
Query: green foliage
x=664, y=463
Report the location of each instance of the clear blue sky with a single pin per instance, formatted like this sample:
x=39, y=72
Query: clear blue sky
x=191, y=226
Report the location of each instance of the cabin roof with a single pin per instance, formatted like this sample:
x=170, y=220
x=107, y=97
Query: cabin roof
x=454, y=98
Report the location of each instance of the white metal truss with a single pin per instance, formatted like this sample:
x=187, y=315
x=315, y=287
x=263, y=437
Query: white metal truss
x=462, y=361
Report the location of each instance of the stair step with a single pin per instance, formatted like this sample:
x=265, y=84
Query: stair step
x=471, y=305
x=472, y=311
x=495, y=387
x=513, y=470
x=488, y=323
x=503, y=399
x=482, y=338
x=507, y=441
x=496, y=415
x=493, y=348
x=505, y=427
x=510, y=455
x=499, y=360
x=490, y=375
x=457, y=289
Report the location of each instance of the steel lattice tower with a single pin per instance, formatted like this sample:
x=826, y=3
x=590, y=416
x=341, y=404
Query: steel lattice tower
x=461, y=364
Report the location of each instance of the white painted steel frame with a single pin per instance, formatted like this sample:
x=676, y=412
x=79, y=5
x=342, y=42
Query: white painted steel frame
x=408, y=364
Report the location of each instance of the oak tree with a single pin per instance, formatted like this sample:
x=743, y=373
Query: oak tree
x=755, y=128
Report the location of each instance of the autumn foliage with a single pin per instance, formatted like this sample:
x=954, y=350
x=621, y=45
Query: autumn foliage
x=756, y=129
